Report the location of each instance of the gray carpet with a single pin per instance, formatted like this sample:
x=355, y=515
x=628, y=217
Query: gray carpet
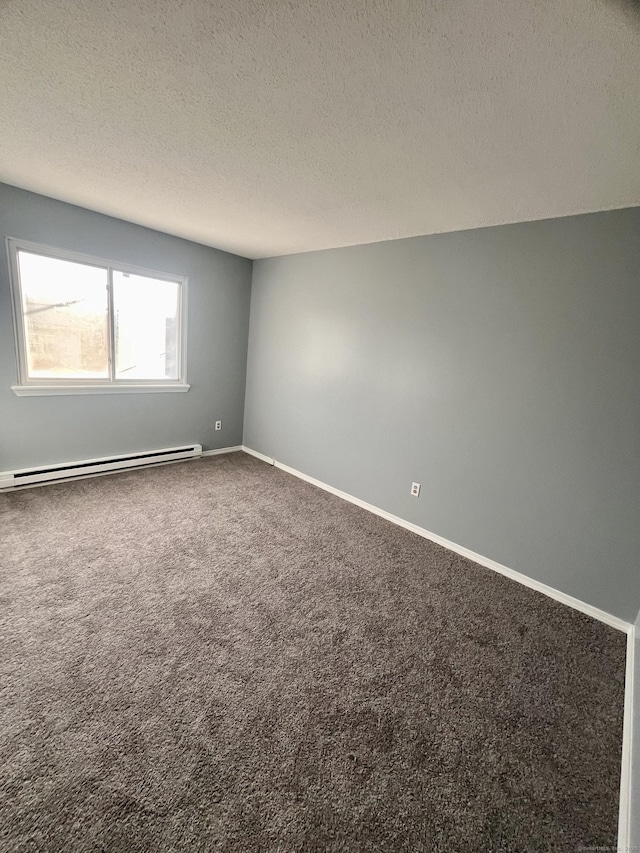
x=216, y=656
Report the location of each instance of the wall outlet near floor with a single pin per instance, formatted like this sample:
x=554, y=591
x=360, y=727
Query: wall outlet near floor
x=218, y=424
x=415, y=490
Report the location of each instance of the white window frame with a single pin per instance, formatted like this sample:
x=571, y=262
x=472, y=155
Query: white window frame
x=45, y=386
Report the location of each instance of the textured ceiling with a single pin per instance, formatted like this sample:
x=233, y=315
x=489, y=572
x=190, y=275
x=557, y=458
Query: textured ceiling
x=282, y=126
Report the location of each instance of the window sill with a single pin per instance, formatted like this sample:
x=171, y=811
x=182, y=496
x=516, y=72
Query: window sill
x=133, y=388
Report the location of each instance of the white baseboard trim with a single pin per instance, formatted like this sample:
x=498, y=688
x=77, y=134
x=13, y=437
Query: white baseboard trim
x=261, y=456
x=558, y=595
x=624, y=817
x=628, y=734
x=222, y=450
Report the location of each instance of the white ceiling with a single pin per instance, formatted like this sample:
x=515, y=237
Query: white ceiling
x=281, y=126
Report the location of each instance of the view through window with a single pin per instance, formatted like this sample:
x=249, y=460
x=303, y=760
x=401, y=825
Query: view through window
x=89, y=322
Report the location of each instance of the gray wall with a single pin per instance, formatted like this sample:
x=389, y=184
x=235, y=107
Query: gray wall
x=36, y=430
x=496, y=367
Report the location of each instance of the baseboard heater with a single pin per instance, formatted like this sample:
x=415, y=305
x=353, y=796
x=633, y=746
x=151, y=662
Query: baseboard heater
x=11, y=480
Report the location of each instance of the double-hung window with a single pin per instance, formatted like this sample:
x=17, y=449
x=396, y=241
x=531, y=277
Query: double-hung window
x=87, y=325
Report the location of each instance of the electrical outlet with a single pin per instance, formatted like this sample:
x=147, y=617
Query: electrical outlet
x=218, y=424
x=415, y=490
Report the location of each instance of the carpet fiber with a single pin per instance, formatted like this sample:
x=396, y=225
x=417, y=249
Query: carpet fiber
x=216, y=656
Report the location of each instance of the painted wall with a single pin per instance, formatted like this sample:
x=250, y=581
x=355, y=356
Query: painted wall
x=37, y=430
x=496, y=367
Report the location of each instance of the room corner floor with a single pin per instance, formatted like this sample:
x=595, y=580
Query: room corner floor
x=216, y=656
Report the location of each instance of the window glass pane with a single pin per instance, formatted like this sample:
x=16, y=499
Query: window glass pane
x=65, y=307
x=146, y=327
